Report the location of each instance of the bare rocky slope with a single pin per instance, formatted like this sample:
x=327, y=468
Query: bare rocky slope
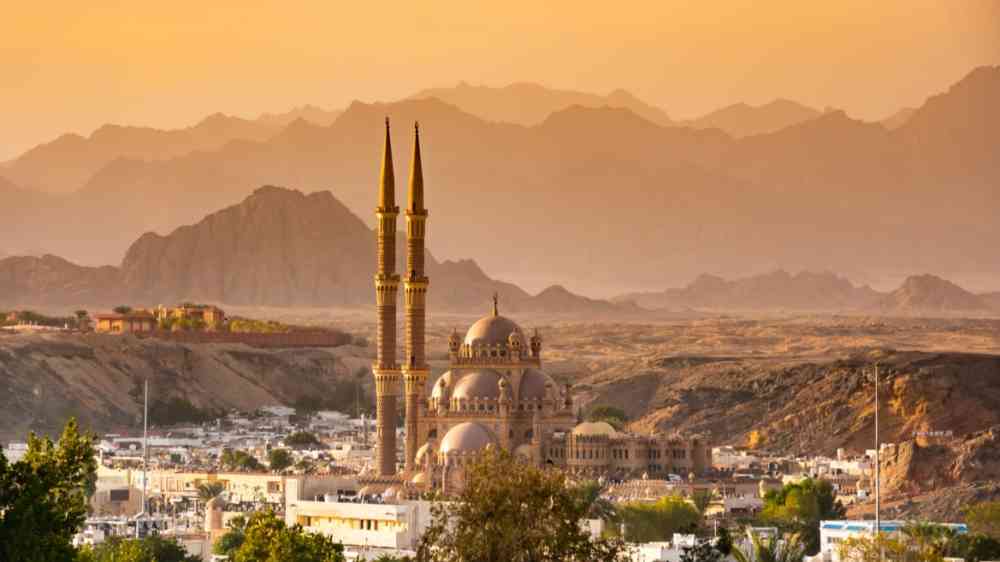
x=45, y=379
x=803, y=406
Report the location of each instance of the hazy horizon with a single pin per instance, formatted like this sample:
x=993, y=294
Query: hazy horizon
x=191, y=60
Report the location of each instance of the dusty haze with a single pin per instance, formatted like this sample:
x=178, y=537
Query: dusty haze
x=77, y=66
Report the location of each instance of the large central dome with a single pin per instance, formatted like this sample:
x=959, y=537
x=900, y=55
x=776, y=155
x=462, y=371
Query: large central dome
x=492, y=330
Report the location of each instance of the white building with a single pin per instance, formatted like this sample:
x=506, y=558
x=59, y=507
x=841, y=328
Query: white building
x=832, y=533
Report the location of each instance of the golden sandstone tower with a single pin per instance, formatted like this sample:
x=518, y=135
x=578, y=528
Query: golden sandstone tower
x=385, y=369
x=415, y=369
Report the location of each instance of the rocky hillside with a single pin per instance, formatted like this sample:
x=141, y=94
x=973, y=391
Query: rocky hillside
x=98, y=378
x=771, y=291
x=278, y=247
x=921, y=294
x=800, y=406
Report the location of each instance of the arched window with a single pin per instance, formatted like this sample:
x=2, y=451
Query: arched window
x=528, y=434
x=432, y=434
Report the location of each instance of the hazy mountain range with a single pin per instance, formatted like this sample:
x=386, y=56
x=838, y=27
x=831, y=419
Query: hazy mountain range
x=811, y=291
x=599, y=199
x=278, y=247
x=281, y=247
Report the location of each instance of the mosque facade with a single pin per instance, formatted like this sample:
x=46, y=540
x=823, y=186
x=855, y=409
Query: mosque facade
x=495, y=392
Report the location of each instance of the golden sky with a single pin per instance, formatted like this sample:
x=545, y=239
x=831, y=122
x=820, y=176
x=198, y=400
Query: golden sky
x=72, y=66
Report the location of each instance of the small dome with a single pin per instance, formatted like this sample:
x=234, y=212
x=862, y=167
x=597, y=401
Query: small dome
x=492, y=330
x=465, y=437
x=422, y=454
x=448, y=379
x=483, y=383
x=418, y=479
x=533, y=384
x=594, y=428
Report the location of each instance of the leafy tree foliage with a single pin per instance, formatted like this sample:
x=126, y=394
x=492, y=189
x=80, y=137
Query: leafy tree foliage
x=921, y=542
x=656, y=521
x=43, y=497
x=233, y=539
x=122, y=309
x=702, y=551
x=724, y=542
x=701, y=500
x=149, y=549
x=279, y=459
x=302, y=439
x=268, y=539
x=799, y=507
x=513, y=512
x=239, y=461
x=760, y=549
x=984, y=517
x=597, y=507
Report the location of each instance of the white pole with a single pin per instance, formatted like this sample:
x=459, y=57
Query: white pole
x=878, y=470
x=145, y=453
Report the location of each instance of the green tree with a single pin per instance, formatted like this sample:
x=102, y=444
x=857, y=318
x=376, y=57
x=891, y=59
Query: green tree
x=302, y=439
x=122, y=309
x=702, y=551
x=702, y=499
x=239, y=461
x=597, y=507
x=279, y=459
x=984, y=517
x=511, y=511
x=760, y=549
x=233, y=539
x=656, y=521
x=724, y=542
x=976, y=547
x=268, y=539
x=149, y=549
x=799, y=507
x=43, y=497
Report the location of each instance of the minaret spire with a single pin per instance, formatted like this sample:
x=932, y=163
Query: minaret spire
x=385, y=369
x=416, y=175
x=415, y=370
x=496, y=304
x=387, y=183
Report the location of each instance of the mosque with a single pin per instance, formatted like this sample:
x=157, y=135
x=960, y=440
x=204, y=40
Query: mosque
x=495, y=393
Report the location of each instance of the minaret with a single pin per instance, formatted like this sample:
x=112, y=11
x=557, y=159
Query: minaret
x=386, y=370
x=415, y=300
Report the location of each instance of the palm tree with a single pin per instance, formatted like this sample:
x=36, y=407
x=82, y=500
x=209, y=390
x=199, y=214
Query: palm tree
x=770, y=550
x=597, y=507
x=209, y=490
x=702, y=499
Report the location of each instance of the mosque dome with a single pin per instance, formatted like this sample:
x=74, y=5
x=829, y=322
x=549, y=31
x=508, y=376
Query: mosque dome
x=418, y=479
x=466, y=437
x=533, y=385
x=448, y=377
x=483, y=383
x=422, y=454
x=590, y=429
x=492, y=330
